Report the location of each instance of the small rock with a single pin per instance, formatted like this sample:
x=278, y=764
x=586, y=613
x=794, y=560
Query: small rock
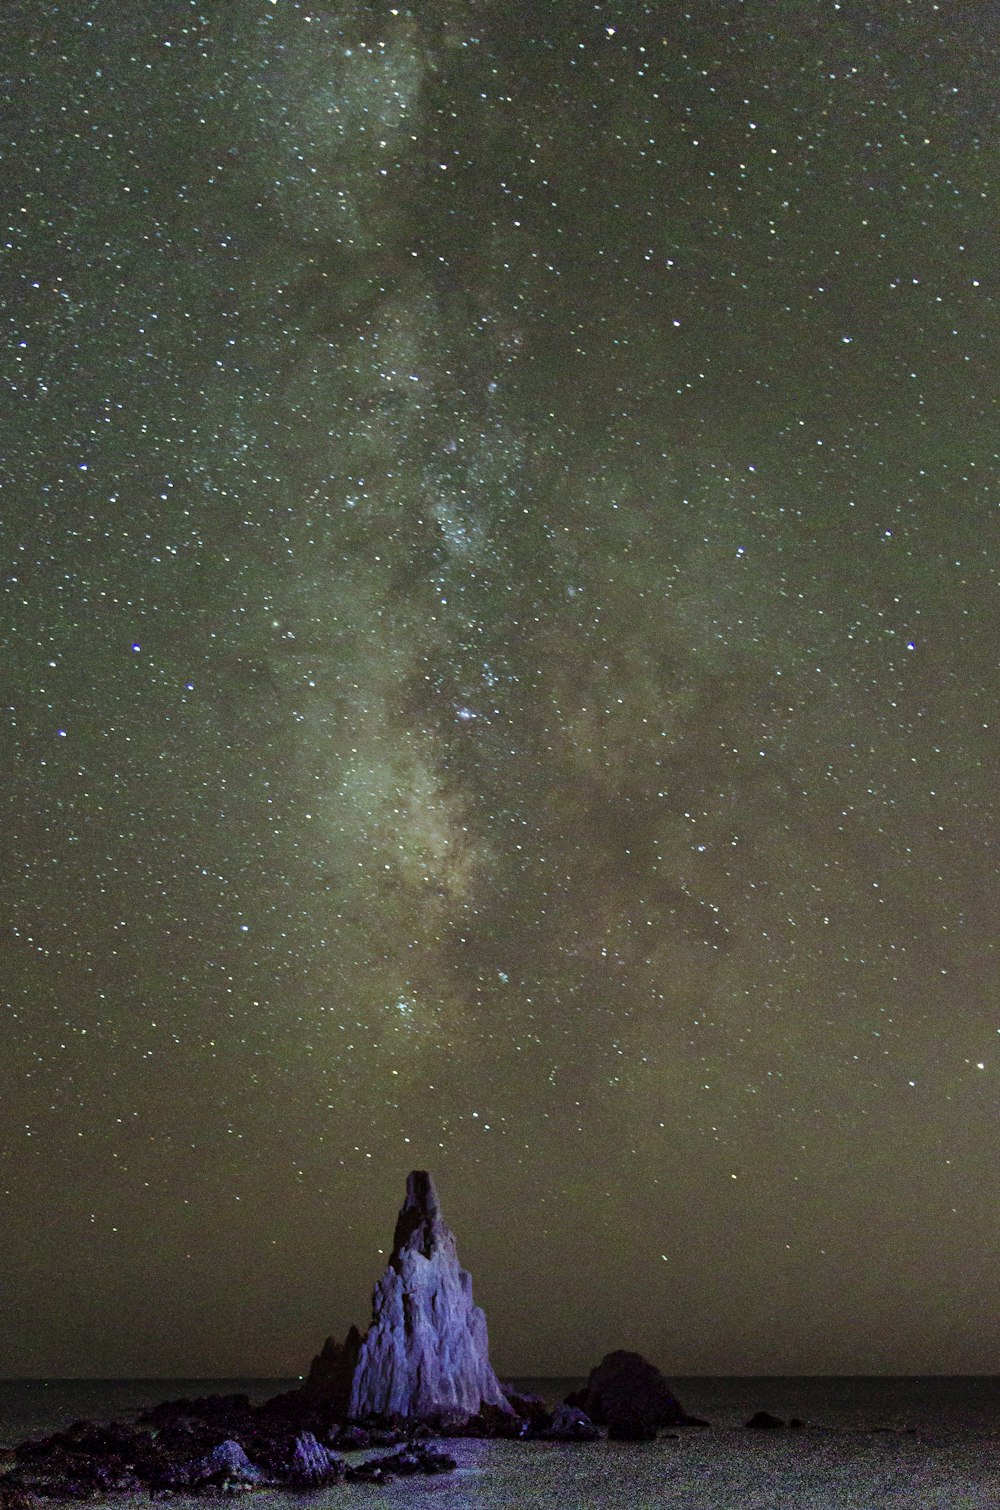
x=489, y=1421
x=350, y=1438
x=225, y=1464
x=384, y=1437
x=531, y=1408
x=569, y=1425
x=404, y=1463
x=312, y=1464
x=433, y=1460
x=763, y=1421
x=370, y=1472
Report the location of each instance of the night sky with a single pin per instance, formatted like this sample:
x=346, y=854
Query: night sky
x=499, y=674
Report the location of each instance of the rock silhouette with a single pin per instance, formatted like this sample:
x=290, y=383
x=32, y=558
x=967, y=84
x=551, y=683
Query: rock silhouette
x=570, y=1425
x=426, y=1357
x=631, y=1397
x=226, y=1465
x=762, y=1420
x=331, y=1373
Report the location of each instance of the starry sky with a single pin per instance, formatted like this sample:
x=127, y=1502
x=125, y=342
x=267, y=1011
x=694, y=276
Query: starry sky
x=499, y=676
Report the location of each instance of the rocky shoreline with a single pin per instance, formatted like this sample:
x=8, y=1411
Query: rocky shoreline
x=221, y=1444
x=421, y=1372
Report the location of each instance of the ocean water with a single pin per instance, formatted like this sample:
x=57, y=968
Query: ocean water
x=912, y=1444
x=32, y=1407
x=35, y=1407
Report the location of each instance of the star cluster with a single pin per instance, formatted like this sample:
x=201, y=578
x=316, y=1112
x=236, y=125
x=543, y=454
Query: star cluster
x=499, y=665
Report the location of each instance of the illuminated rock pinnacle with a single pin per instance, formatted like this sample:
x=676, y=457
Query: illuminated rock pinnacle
x=427, y=1353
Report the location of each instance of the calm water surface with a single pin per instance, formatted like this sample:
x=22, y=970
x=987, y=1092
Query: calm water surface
x=30, y=1407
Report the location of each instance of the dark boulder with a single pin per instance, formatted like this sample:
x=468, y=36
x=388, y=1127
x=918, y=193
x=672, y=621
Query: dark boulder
x=630, y=1397
x=386, y=1436
x=530, y=1408
x=368, y=1472
x=489, y=1421
x=762, y=1420
x=331, y=1374
x=568, y=1424
x=350, y=1438
x=211, y=1409
x=225, y=1467
x=632, y=1426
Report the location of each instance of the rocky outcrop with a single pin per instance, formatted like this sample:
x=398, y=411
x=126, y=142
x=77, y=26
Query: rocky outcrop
x=569, y=1425
x=311, y=1464
x=414, y=1458
x=426, y=1356
x=530, y=1409
x=90, y=1460
x=762, y=1420
x=331, y=1373
x=225, y=1467
x=630, y=1397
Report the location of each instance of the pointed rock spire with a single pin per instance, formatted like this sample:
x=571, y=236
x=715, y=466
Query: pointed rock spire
x=420, y=1216
x=426, y=1356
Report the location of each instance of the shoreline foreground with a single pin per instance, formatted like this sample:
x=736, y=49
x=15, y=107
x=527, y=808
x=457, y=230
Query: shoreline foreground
x=722, y=1469
x=928, y=1445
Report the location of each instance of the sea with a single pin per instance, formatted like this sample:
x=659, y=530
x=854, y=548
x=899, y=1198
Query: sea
x=925, y=1443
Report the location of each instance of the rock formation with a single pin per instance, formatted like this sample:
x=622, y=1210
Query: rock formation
x=426, y=1356
x=331, y=1373
x=312, y=1465
x=569, y=1425
x=630, y=1397
x=762, y=1420
x=226, y=1466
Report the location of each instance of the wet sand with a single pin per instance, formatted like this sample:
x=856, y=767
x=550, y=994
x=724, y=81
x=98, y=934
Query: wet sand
x=720, y=1469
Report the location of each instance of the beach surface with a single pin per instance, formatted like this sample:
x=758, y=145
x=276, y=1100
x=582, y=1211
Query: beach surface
x=721, y=1469
x=904, y=1444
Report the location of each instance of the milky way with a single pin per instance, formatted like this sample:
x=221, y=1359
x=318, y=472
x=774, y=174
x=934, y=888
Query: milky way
x=499, y=654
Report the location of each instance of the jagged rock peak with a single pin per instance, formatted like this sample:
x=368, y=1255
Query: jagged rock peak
x=328, y=1383
x=426, y=1356
x=419, y=1226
